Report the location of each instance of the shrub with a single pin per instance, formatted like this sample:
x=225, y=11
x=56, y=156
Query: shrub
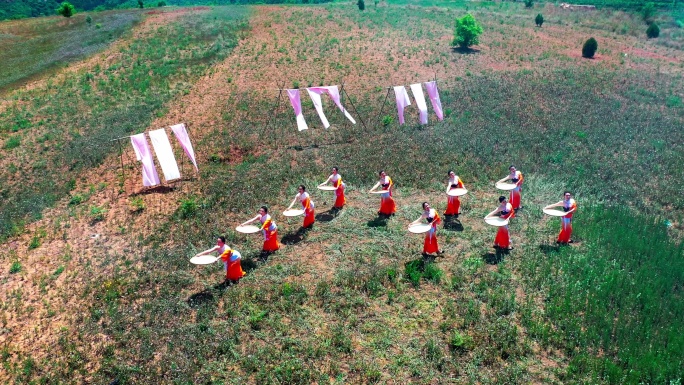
x=361, y=4
x=97, y=214
x=589, y=48
x=467, y=31
x=529, y=3
x=188, y=208
x=12, y=142
x=140, y=4
x=539, y=20
x=653, y=31
x=15, y=268
x=89, y=20
x=161, y=4
x=679, y=23
x=66, y=9
x=137, y=204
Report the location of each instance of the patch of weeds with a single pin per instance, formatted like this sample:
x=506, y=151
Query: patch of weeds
x=459, y=342
x=188, y=208
x=97, y=214
x=77, y=199
x=12, y=142
x=58, y=272
x=137, y=204
x=15, y=268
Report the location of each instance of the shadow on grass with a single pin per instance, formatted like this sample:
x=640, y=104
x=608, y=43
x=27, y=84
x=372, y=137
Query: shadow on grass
x=452, y=223
x=296, y=237
x=201, y=298
x=250, y=263
x=548, y=249
x=465, y=51
x=154, y=190
x=380, y=221
x=327, y=216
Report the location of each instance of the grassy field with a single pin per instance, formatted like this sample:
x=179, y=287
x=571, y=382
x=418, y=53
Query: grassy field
x=353, y=301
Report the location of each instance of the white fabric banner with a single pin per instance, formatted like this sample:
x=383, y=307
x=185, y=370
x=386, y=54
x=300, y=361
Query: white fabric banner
x=420, y=102
x=403, y=101
x=162, y=147
x=184, y=140
x=335, y=96
x=296, y=102
x=318, y=105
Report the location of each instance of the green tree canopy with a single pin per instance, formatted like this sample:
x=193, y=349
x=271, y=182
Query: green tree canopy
x=467, y=31
x=589, y=48
x=66, y=9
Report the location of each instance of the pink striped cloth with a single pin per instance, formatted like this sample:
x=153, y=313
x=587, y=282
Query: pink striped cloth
x=296, y=102
x=433, y=94
x=402, y=101
x=184, y=140
x=420, y=102
x=143, y=153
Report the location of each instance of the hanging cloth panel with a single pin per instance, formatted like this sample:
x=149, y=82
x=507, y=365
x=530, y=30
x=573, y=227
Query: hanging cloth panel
x=143, y=153
x=433, y=94
x=162, y=148
x=402, y=101
x=335, y=96
x=417, y=91
x=318, y=105
x=297, y=105
x=184, y=140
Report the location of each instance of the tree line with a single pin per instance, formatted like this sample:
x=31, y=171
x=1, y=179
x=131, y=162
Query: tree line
x=19, y=9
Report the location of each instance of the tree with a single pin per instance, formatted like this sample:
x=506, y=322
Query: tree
x=653, y=31
x=140, y=4
x=529, y=3
x=161, y=4
x=66, y=9
x=467, y=31
x=589, y=48
x=539, y=20
x=361, y=4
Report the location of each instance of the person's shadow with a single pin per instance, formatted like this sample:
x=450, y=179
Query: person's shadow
x=327, y=216
x=495, y=257
x=379, y=221
x=294, y=238
x=451, y=223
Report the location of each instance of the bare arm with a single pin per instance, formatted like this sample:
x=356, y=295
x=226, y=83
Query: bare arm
x=374, y=187
x=504, y=179
x=554, y=205
x=326, y=181
x=417, y=221
x=293, y=202
x=250, y=221
x=215, y=248
x=490, y=215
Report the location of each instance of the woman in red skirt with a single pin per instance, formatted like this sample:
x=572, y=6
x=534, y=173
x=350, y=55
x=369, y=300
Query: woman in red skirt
x=430, y=245
x=505, y=211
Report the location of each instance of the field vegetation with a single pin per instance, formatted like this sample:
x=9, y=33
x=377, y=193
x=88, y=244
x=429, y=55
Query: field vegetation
x=99, y=288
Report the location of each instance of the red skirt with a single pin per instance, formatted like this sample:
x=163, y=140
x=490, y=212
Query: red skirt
x=340, y=200
x=430, y=245
x=234, y=270
x=271, y=241
x=566, y=230
x=453, y=206
x=387, y=206
x=515, y=198
x=308, y=218
x=503, y=238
